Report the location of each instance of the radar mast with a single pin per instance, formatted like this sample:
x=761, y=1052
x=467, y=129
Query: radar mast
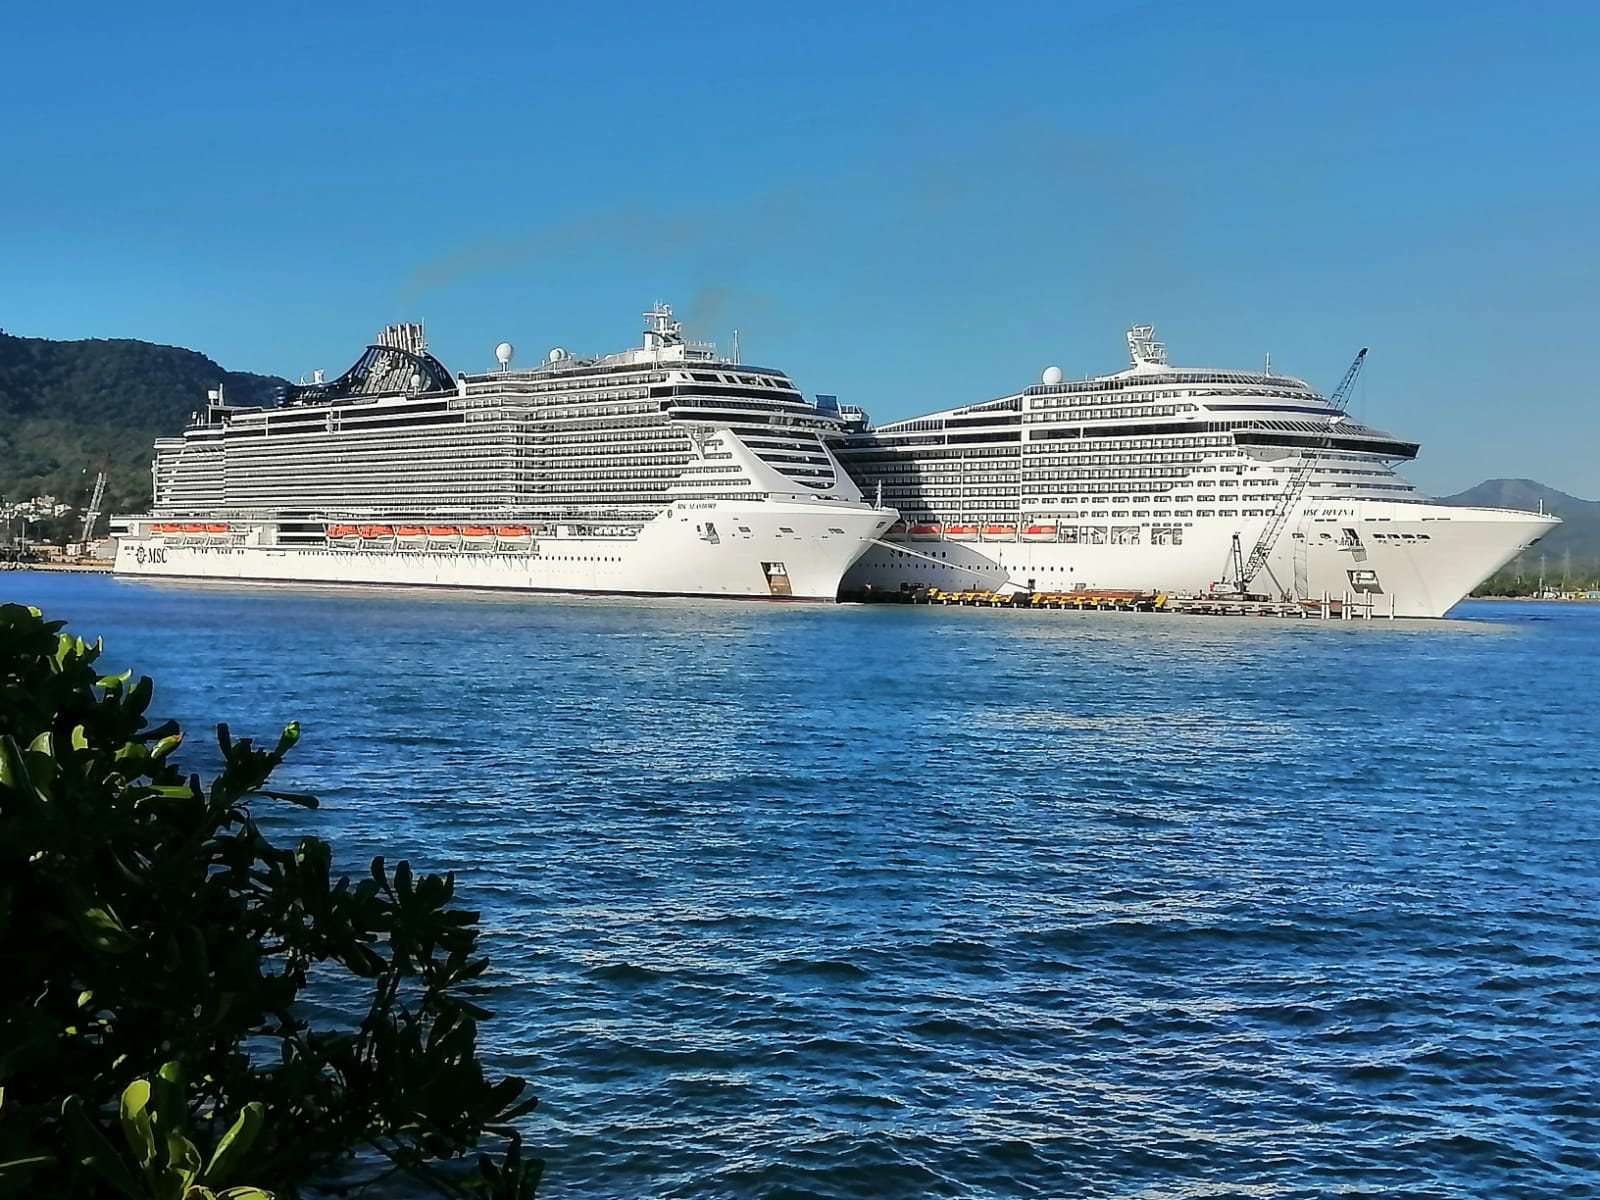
x=1146, y=351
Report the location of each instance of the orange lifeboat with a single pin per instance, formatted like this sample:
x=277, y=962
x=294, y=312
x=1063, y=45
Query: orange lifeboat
x=443, y=531
x=924, y=533
x=219, y=528
x=961, y=533
x=515, y=531
x=194, y=529
x=1040, y=533
x=411, y=536
x=478, y=537
x=374, y=532
x=411, y=531
x=999, y=533
x=343, y=531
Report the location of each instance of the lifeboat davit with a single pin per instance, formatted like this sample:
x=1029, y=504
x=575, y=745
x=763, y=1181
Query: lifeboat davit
x=924, y=533
x=896, y=532
x=961, y=533
x=1040, y=533
x=999, y=533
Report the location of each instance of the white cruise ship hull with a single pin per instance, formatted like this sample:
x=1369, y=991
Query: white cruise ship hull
x=1412, y=559
x=768, y=550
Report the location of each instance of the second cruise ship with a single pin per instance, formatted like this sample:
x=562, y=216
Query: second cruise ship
x=661, y=470
x=1170, y=479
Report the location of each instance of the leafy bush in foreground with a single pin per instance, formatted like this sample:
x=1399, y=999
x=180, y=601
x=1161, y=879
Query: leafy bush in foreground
x=161, y=956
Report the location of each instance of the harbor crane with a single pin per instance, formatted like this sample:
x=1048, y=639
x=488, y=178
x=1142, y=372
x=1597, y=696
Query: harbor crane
x=91, y=514
x=1245, y=569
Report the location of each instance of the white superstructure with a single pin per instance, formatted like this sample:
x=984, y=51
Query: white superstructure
x=1162, y=478
x=662, y=470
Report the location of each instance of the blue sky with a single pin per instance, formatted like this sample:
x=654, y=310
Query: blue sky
x=909, y=205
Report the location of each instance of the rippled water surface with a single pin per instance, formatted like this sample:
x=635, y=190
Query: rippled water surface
x=881, y=902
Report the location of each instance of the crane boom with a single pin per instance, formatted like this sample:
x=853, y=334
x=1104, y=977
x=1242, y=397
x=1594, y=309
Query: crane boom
x=1341, y=394
x=92, y=513
x=1294, y=487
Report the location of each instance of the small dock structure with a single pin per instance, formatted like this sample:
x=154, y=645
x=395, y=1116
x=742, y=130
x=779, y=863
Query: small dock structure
x=1347, y=607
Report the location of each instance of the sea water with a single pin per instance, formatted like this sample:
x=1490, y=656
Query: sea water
x=806, y=901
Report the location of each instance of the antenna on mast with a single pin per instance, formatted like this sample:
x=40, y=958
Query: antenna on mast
x=1144, y=349
x=736, y=346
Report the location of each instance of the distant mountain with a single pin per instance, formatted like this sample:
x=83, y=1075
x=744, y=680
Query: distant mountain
x=66, y=408
x=1572, y=548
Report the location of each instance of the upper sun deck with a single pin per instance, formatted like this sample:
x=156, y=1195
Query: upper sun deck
x=1151, y=386
x=665, y=352
x=1136, y=377
x=1150, y=369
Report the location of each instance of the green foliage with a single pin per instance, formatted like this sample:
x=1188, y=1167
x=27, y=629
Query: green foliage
x=152, y=933
x=66, y=408
x=155, y=1122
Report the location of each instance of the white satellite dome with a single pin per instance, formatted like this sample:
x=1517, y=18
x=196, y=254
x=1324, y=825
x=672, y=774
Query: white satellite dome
x=504, y=353
x=1052, y=375
x=557, y=354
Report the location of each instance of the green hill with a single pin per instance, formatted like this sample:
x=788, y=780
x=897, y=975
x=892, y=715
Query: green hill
x=67, y=408
x=1570, y=553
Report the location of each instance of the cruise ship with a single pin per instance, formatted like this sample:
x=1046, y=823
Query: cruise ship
x=1170, y=479
x=660, y=470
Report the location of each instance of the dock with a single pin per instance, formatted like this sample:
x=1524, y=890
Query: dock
x=1348, y=607
x=86, y=567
